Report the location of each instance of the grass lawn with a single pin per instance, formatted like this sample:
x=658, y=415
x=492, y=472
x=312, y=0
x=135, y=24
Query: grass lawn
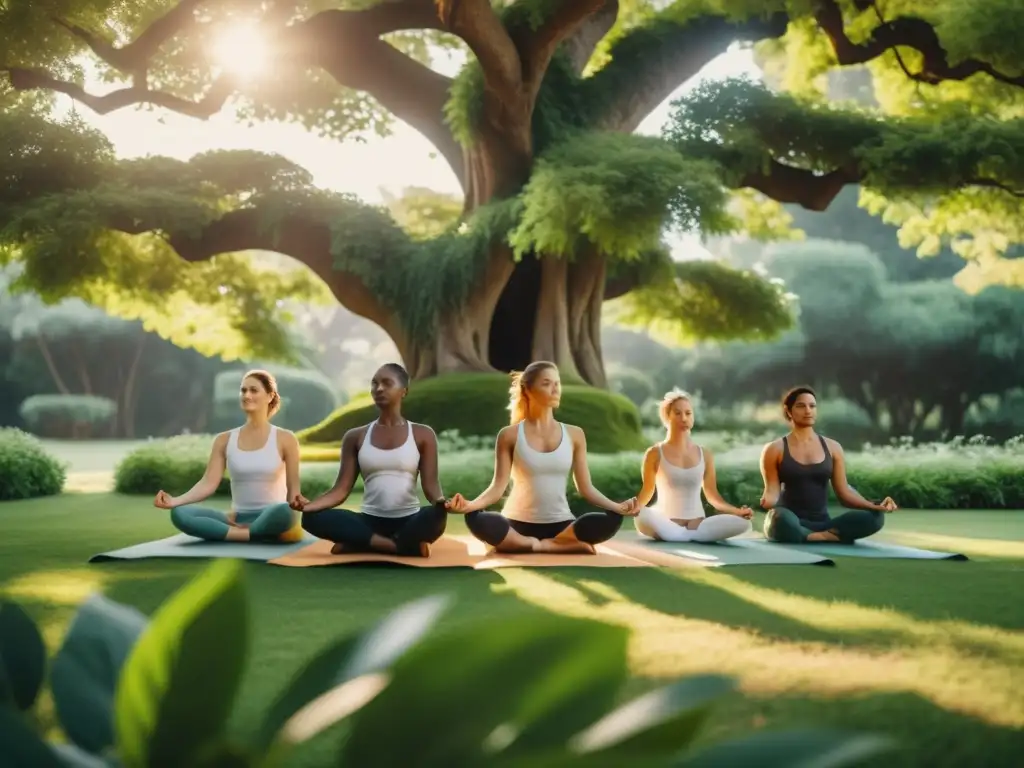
x=930, y=652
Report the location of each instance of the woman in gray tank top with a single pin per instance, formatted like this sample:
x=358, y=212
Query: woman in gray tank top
x=678, y=470
x=797, y=470
x=538, y=454
x=390, y=453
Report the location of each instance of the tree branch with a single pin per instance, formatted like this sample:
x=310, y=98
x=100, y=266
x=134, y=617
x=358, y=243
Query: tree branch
x=813, y=191
x=536, y=47
x=907, y=32
x=649, y=63
x=480, y=28
x=581, y=44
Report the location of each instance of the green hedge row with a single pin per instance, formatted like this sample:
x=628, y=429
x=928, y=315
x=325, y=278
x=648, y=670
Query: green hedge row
x=27, y=470
x=916, y=481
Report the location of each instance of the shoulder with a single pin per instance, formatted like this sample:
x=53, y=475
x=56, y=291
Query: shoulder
x=653, y=454
x=774, y=448
x=354, y=435
x=706, y=453
x=508, y=434
x=833, y=446
x=286, y=437
x=576, y=434
x=423, y=431
x=220, y=442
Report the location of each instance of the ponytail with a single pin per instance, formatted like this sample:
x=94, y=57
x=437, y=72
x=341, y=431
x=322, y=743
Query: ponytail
x=517, y=398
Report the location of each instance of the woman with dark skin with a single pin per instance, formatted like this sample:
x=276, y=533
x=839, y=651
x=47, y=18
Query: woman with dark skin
x=797, y=470
x=389, y=453
x=537, y=453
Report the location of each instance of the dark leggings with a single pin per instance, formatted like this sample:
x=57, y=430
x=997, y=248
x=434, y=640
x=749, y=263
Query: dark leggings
x=354, y=529
x=784, y=526
x=591, y=528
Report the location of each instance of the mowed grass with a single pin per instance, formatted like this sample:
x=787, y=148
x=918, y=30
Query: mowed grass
x=929, y=652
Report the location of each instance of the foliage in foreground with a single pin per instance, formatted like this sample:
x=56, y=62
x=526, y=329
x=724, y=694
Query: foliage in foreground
x=27, y=470
x=142, y=693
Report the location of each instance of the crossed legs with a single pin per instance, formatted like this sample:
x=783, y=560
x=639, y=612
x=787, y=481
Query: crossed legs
x=653, y=524
x=268, y=524
x=572, y=536
x=355, y=532
x=783, y=525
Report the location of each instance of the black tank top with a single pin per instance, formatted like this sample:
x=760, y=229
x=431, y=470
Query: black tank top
x=805, y=486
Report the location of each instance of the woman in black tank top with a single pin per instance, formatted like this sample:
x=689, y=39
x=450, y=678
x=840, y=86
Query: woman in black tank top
x=797, y=471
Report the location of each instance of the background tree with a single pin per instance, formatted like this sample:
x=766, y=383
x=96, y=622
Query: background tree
x=564, y=208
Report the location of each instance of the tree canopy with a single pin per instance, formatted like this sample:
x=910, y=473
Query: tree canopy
x=565, y=206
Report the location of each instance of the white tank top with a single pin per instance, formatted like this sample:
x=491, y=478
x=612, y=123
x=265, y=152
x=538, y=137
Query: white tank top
x=389, y=477
x=679, y=488
x=257, y=477
x=538, y=482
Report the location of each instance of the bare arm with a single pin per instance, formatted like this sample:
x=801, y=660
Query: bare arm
x=581, y=476
x=770, y=475
x=290, y=451
x=711, y=489
x=211, y=478
x=649, y=472
x=503, y=448
x=347, y=473
x=847, y=496
x=429, y=480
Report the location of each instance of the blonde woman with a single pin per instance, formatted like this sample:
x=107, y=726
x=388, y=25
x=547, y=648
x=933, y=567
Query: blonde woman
x=678, y=469
x=263, y=462
x=538, y=453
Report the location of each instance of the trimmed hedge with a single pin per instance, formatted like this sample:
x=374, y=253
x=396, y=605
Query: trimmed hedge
x=477, y=404
x=307, y=398
x=986, y=478
x=75, y=416
x=27, y=469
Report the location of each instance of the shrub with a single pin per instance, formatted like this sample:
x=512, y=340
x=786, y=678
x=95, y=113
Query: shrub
x=475, y=404
x=27, y=470
x=635, y=385
x=307, y=398
x=74, y=416
x=174, y=465
x=123, y=685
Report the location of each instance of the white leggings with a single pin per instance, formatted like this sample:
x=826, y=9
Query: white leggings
x=656, y=525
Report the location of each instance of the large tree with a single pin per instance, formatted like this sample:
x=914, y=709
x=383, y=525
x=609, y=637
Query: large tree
x=565, y=207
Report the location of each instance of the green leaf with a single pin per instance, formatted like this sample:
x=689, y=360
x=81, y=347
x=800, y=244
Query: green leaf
x=73, y=757
x=663, y=721
x=351, y=658
x=87, y=668
x=796, y=748
x=180, y=681
x=479, y=686
x=22, y=657
x=20, y=746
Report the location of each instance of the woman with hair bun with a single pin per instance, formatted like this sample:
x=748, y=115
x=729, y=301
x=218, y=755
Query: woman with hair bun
x=263, y=463
x=537, y=453
x=678, y=469
x=389, y=453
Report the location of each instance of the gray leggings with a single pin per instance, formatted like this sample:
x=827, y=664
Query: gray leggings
x=784, y=526
x=204, y=523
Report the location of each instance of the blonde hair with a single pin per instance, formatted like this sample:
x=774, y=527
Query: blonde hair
x=270, y=386
x=522, y=381
x=670, y=399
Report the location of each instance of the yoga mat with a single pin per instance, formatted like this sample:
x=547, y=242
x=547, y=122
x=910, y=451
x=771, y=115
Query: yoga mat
x=875, y=549
x=458, y=552
x=183, y=545
x=740, y=550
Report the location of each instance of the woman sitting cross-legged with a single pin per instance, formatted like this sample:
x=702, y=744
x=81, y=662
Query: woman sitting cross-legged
x=389, y=453
x=797, y=470
x=263, y=464
x=538, y=453
x=678, y=468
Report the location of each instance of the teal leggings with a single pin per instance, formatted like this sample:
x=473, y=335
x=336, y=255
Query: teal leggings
x=783, y=525
x=210, y=524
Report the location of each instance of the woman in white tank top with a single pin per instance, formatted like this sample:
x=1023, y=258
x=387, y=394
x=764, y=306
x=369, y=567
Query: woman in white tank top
x=390, y=454
x=263, y=464
x=538, y=453
x=679, y=469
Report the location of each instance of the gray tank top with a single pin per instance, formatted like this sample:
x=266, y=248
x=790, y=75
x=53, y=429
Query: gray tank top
x=805, y=486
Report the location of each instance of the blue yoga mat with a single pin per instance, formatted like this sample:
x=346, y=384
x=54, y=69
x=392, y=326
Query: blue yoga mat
x=183, y=545
x=871, y=549
x=741, y=550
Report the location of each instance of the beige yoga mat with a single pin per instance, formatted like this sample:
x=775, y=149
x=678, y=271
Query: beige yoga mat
x=460, y=552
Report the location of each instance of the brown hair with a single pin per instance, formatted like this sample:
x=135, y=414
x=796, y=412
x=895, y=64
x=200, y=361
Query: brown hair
x=789, y=399
x=669, y=400
x=270, y=387
x=522, y=381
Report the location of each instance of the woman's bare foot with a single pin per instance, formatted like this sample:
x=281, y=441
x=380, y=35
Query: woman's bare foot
x=338, y=549
x=823, y=536
x=553, y=546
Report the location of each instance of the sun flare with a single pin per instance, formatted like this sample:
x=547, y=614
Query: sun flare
x=242, y=50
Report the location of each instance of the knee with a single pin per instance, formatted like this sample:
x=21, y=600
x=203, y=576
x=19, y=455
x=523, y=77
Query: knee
x=489, y=527
x=878, y=520
x=181, y=516
x=595, y=527
x=312, y=524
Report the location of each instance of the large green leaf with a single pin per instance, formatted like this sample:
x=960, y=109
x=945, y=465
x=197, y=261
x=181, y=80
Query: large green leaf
x=87, y=667
x=73, y=757
x=457, y=694
x=661, y=722
x=22, y=657
x=796, y=748
x=19, y=744
x=351, y=658
x=179, y=683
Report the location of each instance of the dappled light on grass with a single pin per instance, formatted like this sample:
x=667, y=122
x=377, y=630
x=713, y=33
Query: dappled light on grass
x=68, y=587
x=966, y=545
x=959, y=679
